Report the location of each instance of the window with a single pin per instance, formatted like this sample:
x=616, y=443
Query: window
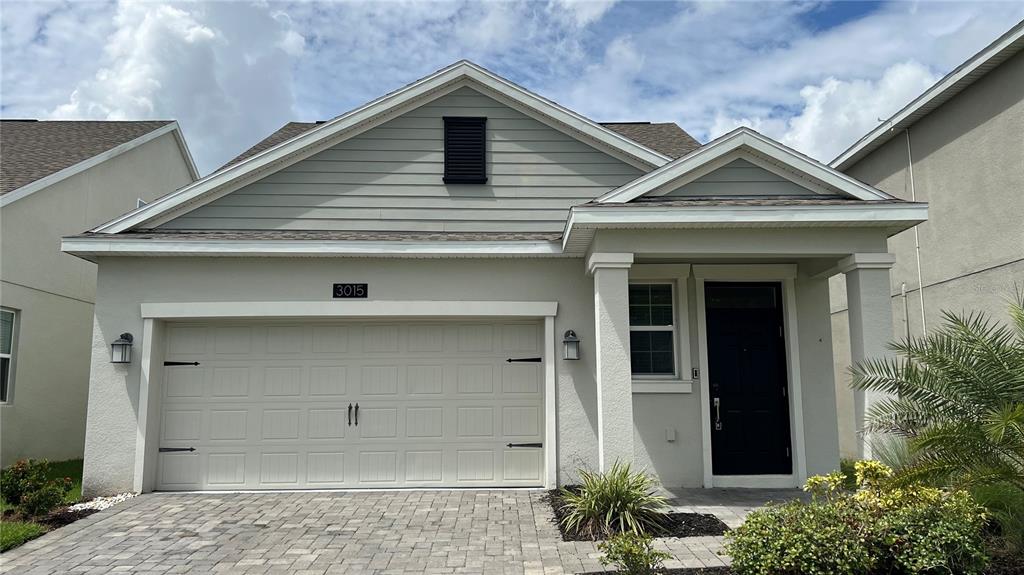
x=652, y=332
x=465, y=150
x=7, y=333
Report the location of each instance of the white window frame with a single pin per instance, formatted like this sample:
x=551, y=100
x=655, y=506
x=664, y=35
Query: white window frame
x=15, y=320
x=676, y=276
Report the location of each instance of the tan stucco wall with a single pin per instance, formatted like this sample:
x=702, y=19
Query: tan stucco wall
x=968, y=164
x=53, y=293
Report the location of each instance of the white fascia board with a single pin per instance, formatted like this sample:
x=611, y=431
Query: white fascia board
x=89, y=247
x=349, y=309
x=190, y=162
x=743, y=138
x=41, y=183
x=880, y=215
x=952, y=84
x=364, y=118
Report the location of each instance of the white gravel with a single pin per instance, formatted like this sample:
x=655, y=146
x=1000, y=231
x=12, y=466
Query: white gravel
x=101, y=503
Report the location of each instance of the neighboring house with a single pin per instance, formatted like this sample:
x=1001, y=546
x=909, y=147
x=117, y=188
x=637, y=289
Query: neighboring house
x=56, y=178
x=398, y=298
x=960, y=148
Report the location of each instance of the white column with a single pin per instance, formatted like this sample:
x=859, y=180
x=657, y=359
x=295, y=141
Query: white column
x=868, y=295
x=614, y=375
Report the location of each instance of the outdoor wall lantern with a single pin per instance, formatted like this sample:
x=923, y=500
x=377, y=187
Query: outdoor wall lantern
x=121, y=349
x=571, y=345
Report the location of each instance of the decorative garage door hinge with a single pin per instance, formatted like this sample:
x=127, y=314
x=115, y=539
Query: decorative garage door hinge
x=181, y=363
x=175, y=449
x=525, y=359
x=525, y=445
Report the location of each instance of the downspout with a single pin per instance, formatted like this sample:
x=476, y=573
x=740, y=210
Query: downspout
x=917, y=240
x=906, y=309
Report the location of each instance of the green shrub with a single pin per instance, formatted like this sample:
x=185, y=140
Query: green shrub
x=877, y=529
x=45, y=498
x=14, y=533
x=22, y=477
x=618, y=501
x=632, y=554
x=796, y=538
x=846, y=468
x=1005, y=506
x=27, y=486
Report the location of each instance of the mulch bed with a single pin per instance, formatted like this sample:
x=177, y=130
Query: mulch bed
x=64, y=516
x=685, y=571
x=56, y=518
x=675, y=524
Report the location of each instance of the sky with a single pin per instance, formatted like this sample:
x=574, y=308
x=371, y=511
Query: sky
x=813, y=75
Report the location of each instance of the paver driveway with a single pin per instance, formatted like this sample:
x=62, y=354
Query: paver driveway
x=507, y=531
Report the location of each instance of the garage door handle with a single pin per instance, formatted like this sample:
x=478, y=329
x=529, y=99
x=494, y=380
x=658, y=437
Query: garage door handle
x=525, y=359
x=357, y=414
x=350, y=414
x=525, y=445
x=175, y=449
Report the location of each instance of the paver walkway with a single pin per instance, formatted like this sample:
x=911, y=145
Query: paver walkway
x=486, y=532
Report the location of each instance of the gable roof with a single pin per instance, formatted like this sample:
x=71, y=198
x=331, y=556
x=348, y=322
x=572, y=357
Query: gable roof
x=764, y=151
x=37, y=153
x=667, y=138
x=327, y=134
x=1002, y=49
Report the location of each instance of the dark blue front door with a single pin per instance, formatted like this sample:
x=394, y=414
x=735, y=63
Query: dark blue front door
x=747, y=363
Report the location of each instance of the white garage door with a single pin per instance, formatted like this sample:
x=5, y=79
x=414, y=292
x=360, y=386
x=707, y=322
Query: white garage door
x=322, y=405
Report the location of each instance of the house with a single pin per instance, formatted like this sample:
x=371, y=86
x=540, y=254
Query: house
x=960, y=148
x=57, y=178
x=463, y=283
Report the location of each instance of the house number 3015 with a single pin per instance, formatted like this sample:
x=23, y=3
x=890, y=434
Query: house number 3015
x=347, y=291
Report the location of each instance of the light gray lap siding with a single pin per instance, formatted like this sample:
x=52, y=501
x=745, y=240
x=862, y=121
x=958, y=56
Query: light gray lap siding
x=740, y=178
x=389, y=179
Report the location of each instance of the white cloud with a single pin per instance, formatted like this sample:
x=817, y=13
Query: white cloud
x=232, y=72
x=838, y=112
x=223, y=70
x=581, y=12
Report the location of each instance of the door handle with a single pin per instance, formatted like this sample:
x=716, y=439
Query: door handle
x=718, y=414
x=350, y=414
x=357, y=414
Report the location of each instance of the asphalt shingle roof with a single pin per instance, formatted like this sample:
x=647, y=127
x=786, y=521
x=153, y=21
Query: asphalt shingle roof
x=667, y=138
x=325, y=235
x=31, y=150
x=698, y=201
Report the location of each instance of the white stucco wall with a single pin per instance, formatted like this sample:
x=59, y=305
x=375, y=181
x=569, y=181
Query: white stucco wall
x=125, y=283
x=54, y=293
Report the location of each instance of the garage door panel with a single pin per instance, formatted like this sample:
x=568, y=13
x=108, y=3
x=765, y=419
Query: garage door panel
x=379, y=466
x=268, y=405
x=522, y=465
x=521, y=378
x=226, y=470
x=325, y=468
x=230, y=382
x=425, y=379
x=476, y=379
x=280, y=424
x=228, y=424
x=379, y=380
x=279, y=469
x=327, y=380
x=285, y=339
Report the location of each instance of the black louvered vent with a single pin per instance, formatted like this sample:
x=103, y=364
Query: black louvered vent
x=465, y=150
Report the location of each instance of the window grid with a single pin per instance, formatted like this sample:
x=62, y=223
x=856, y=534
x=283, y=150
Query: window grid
x=643, y=363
